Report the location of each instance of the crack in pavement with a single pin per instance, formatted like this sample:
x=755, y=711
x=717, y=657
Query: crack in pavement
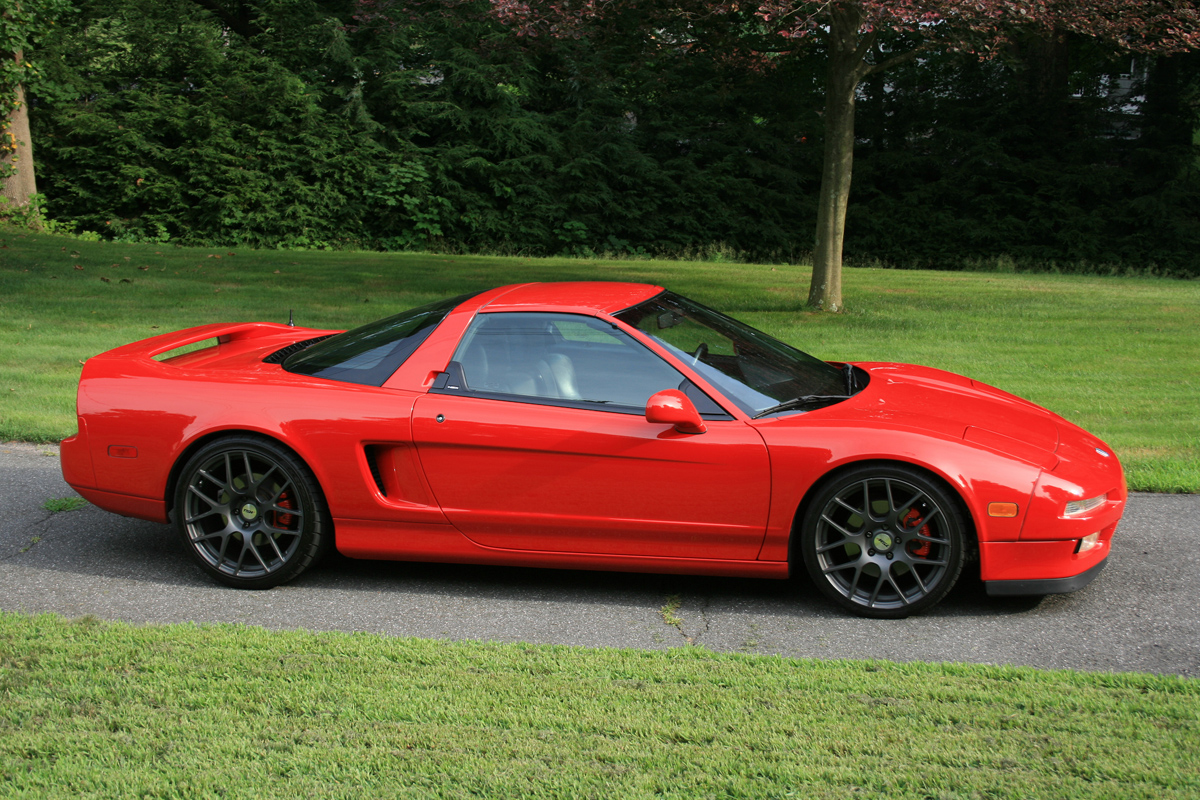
x=671, y=616
x=703, y=633
x=37, y=532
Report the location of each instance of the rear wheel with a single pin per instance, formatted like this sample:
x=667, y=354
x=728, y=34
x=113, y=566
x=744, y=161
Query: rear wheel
x=250, y=512
x=884, y=541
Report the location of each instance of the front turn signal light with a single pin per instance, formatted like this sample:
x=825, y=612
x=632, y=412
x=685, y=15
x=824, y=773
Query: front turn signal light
x=1088, y=542
x=1080, y=506
x=1002, y=509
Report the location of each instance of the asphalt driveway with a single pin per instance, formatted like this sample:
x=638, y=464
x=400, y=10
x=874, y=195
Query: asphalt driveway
x=1142, y=613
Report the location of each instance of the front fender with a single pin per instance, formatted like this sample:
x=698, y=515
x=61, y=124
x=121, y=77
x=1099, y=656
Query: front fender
x=802, y=457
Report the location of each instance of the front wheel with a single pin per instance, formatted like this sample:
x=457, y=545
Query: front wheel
x=250, y=512
x=884, y=541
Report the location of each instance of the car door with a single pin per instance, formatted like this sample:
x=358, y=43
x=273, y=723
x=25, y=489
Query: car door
x=537, y=440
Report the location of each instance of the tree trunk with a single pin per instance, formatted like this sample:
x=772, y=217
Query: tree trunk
x=17, y=149
x=846, y=69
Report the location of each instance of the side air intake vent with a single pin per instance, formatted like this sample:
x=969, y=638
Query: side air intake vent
x=279, y=355
x=373, y=464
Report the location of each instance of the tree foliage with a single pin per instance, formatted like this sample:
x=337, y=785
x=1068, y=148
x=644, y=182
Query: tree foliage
x=429, y=124
x=849, y=34
x=1029, y=161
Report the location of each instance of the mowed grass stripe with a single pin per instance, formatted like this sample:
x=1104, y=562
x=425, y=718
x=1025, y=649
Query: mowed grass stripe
x=1119, y=356
x=114, y=710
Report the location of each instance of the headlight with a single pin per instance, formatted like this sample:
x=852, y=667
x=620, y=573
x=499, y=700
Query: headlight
x=1080, y=506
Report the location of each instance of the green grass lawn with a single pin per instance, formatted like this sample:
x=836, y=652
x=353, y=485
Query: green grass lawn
x=1119, y=356
x=91, y=709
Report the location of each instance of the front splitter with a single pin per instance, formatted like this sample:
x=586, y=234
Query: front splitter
x=1044, y=586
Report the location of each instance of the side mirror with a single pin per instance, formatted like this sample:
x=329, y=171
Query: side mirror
x=672, y=407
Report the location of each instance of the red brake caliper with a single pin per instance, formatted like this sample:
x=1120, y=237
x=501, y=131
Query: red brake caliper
x=284, y=520
x=918, y=549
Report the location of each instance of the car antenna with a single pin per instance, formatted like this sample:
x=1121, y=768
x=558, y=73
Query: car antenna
x=291, y=322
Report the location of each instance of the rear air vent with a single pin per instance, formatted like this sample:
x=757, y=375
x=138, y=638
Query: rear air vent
x=279, y=355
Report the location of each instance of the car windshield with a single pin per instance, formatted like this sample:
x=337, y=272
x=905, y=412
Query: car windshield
x=370, y=354
x=751, y=368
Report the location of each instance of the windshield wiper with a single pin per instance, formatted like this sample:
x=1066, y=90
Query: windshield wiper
x=801, y=402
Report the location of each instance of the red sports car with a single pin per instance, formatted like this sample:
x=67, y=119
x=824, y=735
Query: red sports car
x=610, y=426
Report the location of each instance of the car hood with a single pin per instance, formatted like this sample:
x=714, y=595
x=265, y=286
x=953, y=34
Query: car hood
x=933, y=400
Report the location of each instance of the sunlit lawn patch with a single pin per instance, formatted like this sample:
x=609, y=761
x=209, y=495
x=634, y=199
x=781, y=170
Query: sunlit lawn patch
x=113, y=710
x=1119, y=356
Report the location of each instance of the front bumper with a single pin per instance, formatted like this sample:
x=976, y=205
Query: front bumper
x=1043, y=586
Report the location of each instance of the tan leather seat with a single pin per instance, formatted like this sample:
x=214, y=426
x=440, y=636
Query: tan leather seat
x=557, y=374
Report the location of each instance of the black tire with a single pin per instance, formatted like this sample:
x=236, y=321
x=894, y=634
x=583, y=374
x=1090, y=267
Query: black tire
x=884, y=541
x=250, y=512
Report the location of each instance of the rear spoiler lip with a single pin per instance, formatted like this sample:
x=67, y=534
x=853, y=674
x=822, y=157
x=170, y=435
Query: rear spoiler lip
x=224, y=331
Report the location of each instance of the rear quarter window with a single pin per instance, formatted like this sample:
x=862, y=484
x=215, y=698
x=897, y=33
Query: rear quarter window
x=370, y=354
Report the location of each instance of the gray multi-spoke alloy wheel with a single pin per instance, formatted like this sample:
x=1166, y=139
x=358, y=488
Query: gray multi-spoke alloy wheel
x=884, y=541
x=250, y=512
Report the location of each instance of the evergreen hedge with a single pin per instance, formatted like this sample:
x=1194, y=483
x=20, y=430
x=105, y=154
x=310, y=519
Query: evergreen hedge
x=313, y=124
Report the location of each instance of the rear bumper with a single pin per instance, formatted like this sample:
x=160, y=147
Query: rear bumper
x=76, y=459
x=1043, y=586
x=80, y=474
x=125, y=504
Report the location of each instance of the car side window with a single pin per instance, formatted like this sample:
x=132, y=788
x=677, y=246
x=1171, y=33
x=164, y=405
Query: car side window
x=563, y=359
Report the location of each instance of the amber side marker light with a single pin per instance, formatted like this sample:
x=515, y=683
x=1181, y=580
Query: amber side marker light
x=122, y=451
x=1002, y=509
